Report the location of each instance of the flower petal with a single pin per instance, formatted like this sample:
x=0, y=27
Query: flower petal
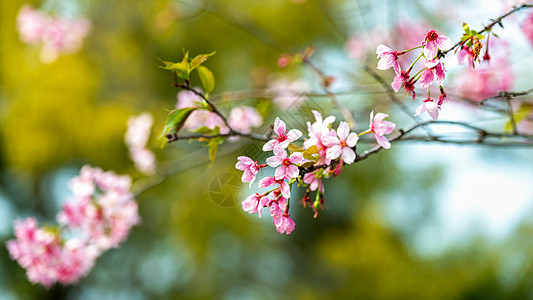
x=348, y=155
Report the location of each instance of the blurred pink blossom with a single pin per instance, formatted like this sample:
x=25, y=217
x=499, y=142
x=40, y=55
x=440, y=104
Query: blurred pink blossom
x=379, y=128
x=56, y=35
x=288, y=94
x=243, y=118
x=136, y=138
x=527, y=28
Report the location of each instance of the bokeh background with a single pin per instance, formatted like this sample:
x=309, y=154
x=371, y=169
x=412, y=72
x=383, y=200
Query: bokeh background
x=420, y=221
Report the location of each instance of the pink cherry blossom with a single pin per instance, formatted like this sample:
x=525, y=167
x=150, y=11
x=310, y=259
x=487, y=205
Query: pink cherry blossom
x=255, y=203
x=430, y=106
x=136, y=138
x=283, y=185
x=199, y=118
x=105, y=217
x=287, y=94
x=314, y=179
x=527, y=28
x=341, y=146
x=284, y=224
x=46, y=258
x=30, y=24
x=283, y=138
x=435, y=69
x=243, y=118
x=286, y=166
x=55, y=34
x=434, y=42
x=318, y=131
x=250, y=168
x=485, y=80
x=139, y=128
x=465, y=55
x=379, y=128
x=403, y=80
x=388, y=58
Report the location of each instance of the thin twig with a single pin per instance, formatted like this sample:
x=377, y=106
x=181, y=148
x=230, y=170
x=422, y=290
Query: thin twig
x=333, y=97
x=489, y=26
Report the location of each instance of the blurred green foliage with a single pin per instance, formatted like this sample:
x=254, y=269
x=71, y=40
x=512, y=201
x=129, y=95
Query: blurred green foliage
x=61, y=115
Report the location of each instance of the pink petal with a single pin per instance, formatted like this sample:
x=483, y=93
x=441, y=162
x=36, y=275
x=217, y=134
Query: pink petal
x=285, y=190
x=334, y=152
x=439, y=71
x=280, y=173
x=426, y=78
x=270, y=145
x=296, y=158
x=382, y=49
x=292, y=171
x=266, y=182
x=352, y=139
x=383, y=141
x=348, y=155
x=294, y=134
x=430, y=50
x=274, y=161
x=330, y=141
x=420, y=109
x=443, y=42
x=279, y=127
x=397, y=82
x=343, y=130
x=432, y=109
x=318, y=116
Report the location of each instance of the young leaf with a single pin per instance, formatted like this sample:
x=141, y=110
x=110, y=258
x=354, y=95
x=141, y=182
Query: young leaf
x=295, y=148
x=207, y=78
x=466, y=28
x=176, y=119
x=213, y=147
x=200, y=59
x=311, y=153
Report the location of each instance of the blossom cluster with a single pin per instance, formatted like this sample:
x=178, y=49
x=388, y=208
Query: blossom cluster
x=241, y=118
x=55, y=34
x=323, y=155
x=433, y=70
x=136, y=138
x=96, y=218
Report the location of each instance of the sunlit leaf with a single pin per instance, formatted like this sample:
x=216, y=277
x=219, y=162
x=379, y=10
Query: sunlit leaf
x=207, y=78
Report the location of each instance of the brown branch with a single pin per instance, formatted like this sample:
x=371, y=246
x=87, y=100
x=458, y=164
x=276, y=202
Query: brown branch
x=507, y=95
x=489, y=26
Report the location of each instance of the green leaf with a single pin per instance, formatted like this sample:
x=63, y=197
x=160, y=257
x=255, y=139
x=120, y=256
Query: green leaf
x=176, y=119
x=295, y=148
x=213, y=147
x=200, y=59
x=311, y=153
x=480, y=36
x=207, y=78
x=466, y=28
x=494, y=34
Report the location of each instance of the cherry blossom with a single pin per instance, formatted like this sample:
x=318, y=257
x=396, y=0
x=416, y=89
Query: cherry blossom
x=198, y=118
x=430, y=106
x=284, y=224
x=286, y=166
x=255, y=203
x=243, y=118
x=55, y=34
x=527, y=28
x=288, y=93
x=250, y=168
x=379, y=128
x=403, y=80
x=136, y=138
x=435, y=42
x=314, y=179
x=465, y=55
x=435, y=69
x=104, y=217
x=283, y=138
x=318, y=131
x=388, y=58
x=283, y=185
x=341, y=146
x=46, y=258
